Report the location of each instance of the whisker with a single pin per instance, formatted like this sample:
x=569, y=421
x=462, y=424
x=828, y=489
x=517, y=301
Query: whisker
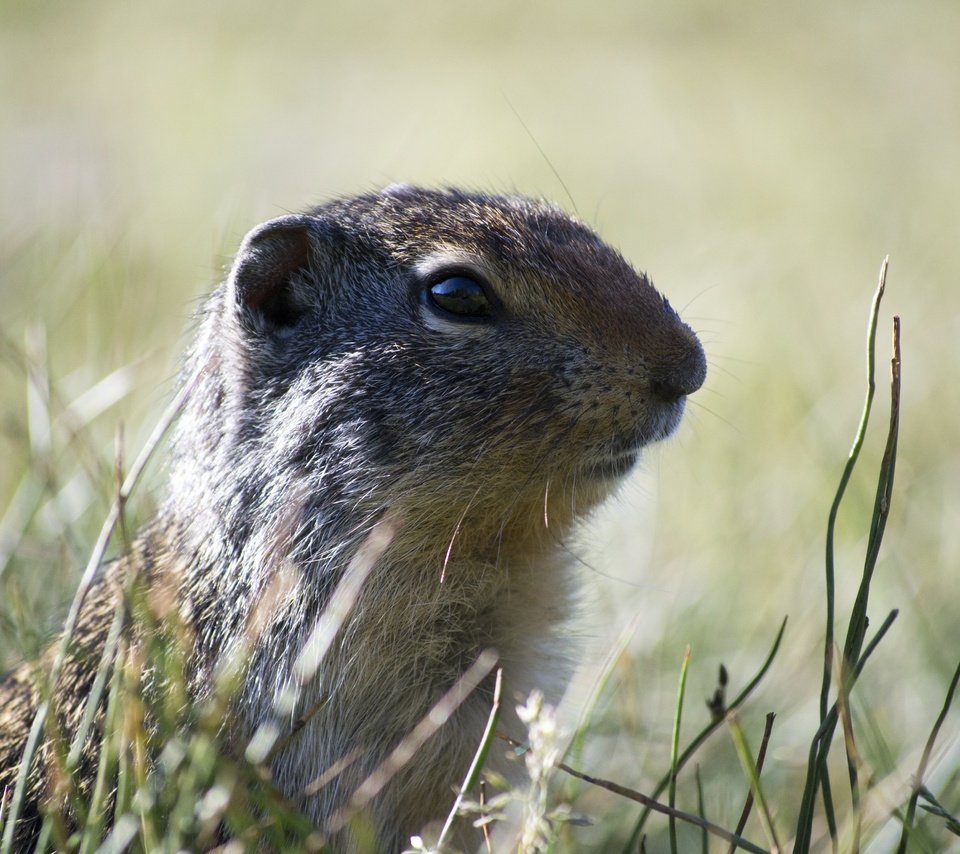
x=456, y=531
x=719, y=417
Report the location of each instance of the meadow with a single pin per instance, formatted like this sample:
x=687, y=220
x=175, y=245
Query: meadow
x=758, y=160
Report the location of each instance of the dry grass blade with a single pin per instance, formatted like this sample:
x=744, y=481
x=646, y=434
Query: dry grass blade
x=416, y=738
x=266, y=742
x=487, y=840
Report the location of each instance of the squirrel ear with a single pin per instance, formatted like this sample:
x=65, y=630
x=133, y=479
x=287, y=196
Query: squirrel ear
x=271, y=283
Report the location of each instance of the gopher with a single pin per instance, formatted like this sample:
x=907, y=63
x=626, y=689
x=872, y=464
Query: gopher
x=453, y=377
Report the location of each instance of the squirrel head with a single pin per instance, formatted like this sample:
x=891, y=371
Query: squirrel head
x=455, y=354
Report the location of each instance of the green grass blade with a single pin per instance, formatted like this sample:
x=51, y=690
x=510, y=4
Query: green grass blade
x=858, y=619
x=852, y=458
x=816, y=767
x=675, y=747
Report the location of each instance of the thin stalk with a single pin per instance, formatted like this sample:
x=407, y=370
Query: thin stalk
x=816, y=768
x=675, y=747
x=428, y=725
x=852, y=458
x=881, y=510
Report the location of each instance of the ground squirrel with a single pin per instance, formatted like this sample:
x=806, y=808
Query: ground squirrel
x=479, y=370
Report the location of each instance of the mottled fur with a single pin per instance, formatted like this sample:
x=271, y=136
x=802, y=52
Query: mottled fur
x=332, y=397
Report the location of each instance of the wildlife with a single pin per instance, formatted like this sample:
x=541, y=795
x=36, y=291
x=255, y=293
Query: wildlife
x=439, y=384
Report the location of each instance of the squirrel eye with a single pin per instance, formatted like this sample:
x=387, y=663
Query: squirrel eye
x=461, y=296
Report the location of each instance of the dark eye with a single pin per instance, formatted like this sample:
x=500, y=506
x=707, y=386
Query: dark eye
x=461, y=296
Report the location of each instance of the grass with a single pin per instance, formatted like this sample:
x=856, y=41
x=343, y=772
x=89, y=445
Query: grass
x=755, y=159
x=165, y=780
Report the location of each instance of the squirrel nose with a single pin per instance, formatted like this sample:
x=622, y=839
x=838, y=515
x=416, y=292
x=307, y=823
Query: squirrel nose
x=680, y=377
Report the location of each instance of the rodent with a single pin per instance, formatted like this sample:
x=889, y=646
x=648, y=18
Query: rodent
x=479, y=370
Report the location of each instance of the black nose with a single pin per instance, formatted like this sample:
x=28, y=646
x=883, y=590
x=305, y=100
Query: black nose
x=678, y=377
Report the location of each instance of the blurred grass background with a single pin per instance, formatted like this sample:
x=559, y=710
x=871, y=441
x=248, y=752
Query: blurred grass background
x=757, y=159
